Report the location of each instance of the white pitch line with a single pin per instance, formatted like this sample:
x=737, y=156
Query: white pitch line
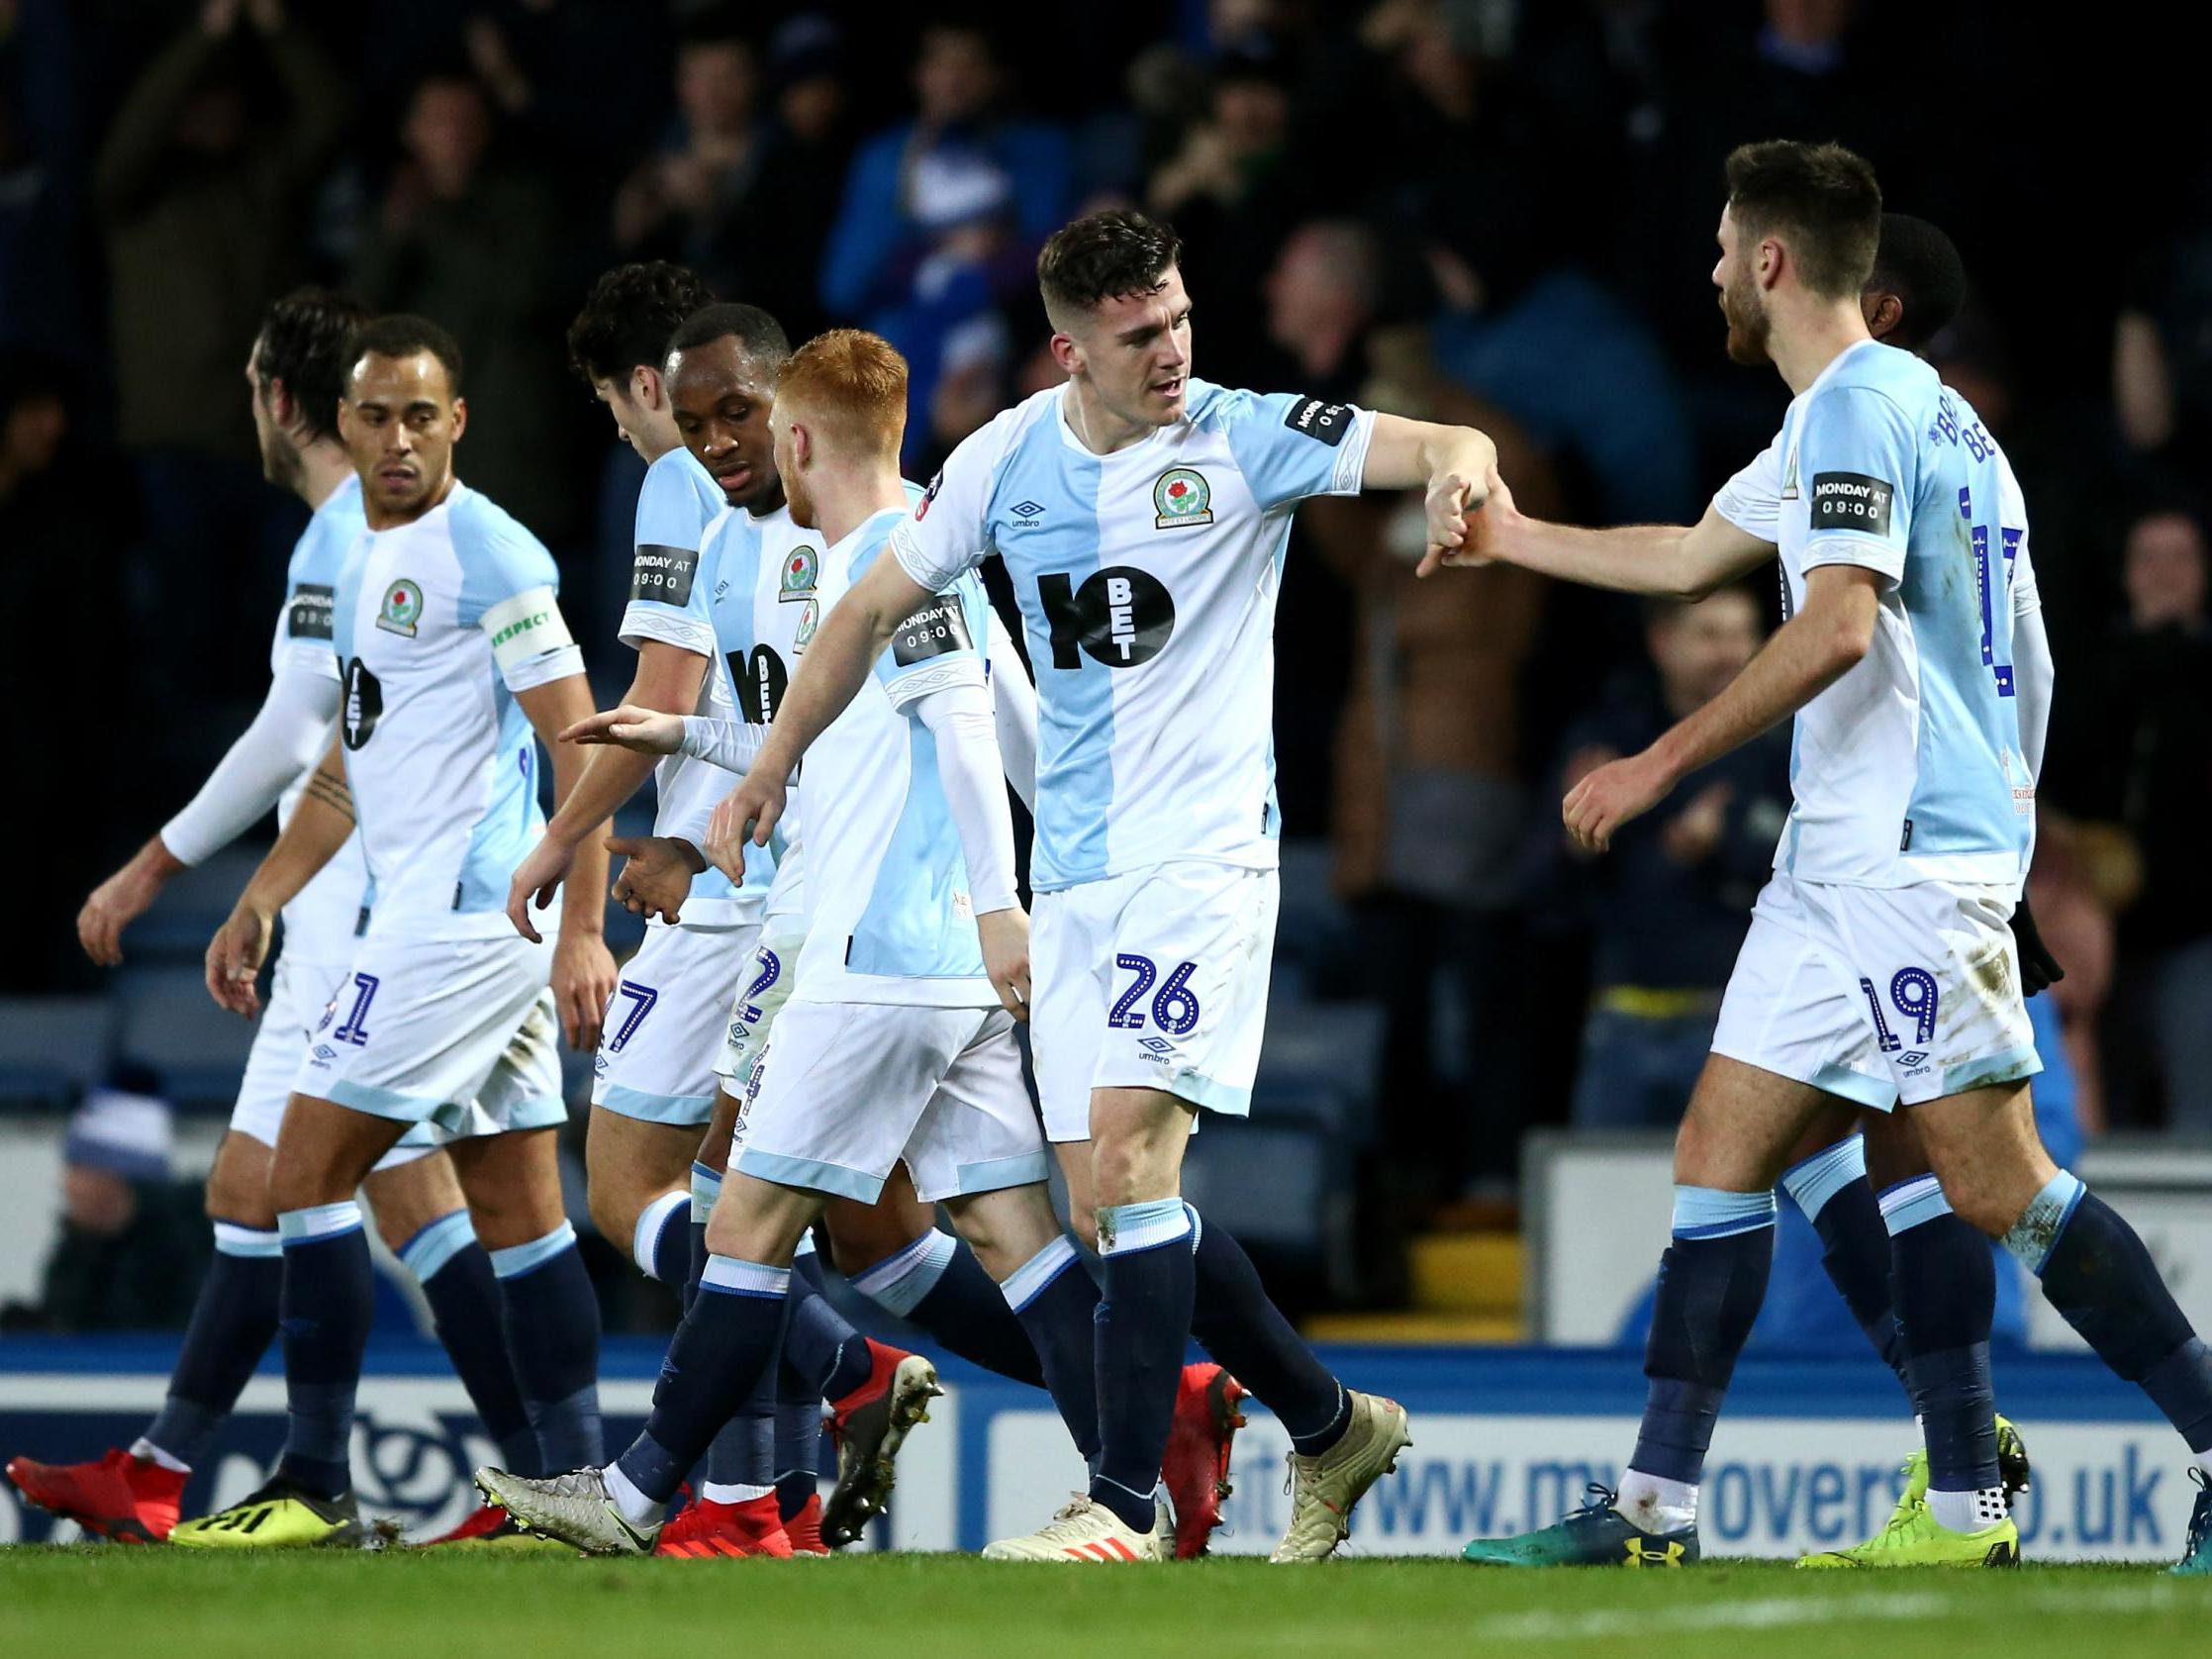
x=1779, y=1612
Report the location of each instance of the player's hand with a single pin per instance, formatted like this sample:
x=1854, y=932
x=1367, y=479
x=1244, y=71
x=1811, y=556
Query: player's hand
x=656, y=874
x=114, y=905
x=583, y=985
x=1447, y=505
x=2039, y=969
x=746, y=816
x=1597, y=807
x=1005, y=957
x=235, y=957
x=645, y=731
x=537, y=876
x=1489, y=526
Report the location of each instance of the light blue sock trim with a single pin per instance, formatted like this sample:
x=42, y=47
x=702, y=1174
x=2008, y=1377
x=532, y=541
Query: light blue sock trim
x=231, y=1240
x=645, y=1235
x=897, y=1284
x=1198, y=1226
x=519, y=1259
x=706, y=1187
x=435, y=1243
x=2036, y=1233
x=318, y=1222
x=1709, y=1212
x=1910, y=1203
x=1123, y=1227
x=1034, y=1277
x=1813, y=1181
x=731, y=1275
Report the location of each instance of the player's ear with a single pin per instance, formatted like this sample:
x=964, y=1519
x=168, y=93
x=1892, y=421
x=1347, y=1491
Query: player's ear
x=1884, y=315
x=645, y=387
x=460, y=418
x=1066, y=353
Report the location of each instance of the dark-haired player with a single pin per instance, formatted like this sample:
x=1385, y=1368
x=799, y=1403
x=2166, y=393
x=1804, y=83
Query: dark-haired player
x=1879, y=969
x=453, y=650
x=294, y=372
x=1142, y=517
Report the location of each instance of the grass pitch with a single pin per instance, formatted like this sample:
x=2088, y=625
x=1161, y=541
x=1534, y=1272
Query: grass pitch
x=418, y=1604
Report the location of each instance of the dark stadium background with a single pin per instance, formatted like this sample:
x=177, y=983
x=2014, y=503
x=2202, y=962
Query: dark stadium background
x=1498, y=211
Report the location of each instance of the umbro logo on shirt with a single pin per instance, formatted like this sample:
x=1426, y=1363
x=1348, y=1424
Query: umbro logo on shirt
x=1026, y=514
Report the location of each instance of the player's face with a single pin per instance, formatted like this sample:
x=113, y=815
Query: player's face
x=638, y=425
x=280, y=461
x=1134, y=349
x=400, y=422
x=721, y=401
x=1741, y=301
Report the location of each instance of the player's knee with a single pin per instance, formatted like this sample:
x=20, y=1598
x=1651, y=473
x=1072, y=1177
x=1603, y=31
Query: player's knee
x=241, y=1197
x=861, y=1236
x=615, y=1209
x=1082, y=1222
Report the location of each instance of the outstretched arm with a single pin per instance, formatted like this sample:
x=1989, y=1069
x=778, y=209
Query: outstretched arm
x=1674, y=561
x=1808, y=653
x=857, y=631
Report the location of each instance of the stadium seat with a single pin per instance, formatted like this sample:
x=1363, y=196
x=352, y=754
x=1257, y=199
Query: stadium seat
x=1318, y=1063
x=1271, y=1184
x=52, y=1048
x=1314, y=938
x=171, y=1025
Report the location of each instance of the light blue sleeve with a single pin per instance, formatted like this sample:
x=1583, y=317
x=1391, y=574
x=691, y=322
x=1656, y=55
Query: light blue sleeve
x=500, y=559
x=1289, y=447
x=942, y=645
x=667, y=598
x=1858, y=462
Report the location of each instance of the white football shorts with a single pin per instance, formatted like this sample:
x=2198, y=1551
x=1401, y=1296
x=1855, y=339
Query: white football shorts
x=1880, y=994
x=1157, y=979
x=299, y=994
x=457, y=1033
x=663, y=1036
x=845, y=1091
x=761, y=994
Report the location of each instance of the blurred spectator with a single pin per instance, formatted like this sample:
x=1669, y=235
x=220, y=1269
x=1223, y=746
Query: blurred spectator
x=48, y=476
x=201, y=195
x=472, y=244
x=1427, y=819
x=1669, y=903
x=938, y=232
x=2161, y=350
x=2076, y=922
x=2134, y=748
x=745, y=196
x=132, y=1241
x=913, y=183
x=42, y=295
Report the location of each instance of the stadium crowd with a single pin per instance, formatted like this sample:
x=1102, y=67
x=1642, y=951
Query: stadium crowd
x=1466, y=209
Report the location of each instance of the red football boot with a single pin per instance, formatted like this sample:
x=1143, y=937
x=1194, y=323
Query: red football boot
x=1195, y=1467
x=805, y=1530
x=869, y=1425
x=132, y=1500
x=704, y=1528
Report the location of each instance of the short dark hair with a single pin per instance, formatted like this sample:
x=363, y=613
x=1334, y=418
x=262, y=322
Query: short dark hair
x=1823, y=192
x=307, y=341
x=402, y=335
x=1103, y=256
x=1919, y=264
x=761, y=335
x=628, y=315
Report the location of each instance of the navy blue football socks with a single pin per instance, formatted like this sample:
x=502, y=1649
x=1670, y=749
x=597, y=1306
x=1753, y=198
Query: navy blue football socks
x=1947, y=1290
x=551, y=1316
x=1056, y=1302
x=1143, y=1326
x=726, y=1344
x=1712, y=1281
x=463, y=1293
x=328, y=1301
x=1236, y=1322
x=1831, y=1188
x=234, y=1320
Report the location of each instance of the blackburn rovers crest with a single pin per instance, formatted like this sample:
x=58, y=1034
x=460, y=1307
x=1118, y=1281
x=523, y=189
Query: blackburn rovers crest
x=1182, y=496
x=402, y=607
